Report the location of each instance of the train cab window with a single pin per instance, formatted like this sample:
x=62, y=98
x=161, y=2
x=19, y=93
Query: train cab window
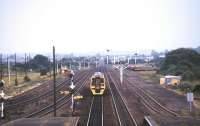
x=96, y=81
x=102, y=80
x=93, y=81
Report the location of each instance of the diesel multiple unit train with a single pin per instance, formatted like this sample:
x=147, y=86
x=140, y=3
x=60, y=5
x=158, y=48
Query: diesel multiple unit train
x=97, y=83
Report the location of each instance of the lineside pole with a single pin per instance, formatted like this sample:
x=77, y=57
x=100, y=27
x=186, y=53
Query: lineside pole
x=16, y=81
x=54, y=81
x=25, y=65
x=8, y=71
x=1, y=63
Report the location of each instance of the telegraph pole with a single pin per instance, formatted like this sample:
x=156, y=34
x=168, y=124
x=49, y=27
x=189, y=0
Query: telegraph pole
x=1, y=63
x=54, y=81
x=25, y=66
x=8, y=72
x=135, y=58
x=96, y=62
x=50, y=67
x=7, y=64
x=29, y=58
x=88, y=63
x=84, y=62
x=107, y=55
x=114, y=60
x=16, y=81
x=79, y=65
x=128, y=59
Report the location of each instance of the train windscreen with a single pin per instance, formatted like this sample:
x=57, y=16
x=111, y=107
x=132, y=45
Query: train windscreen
x=97, y=81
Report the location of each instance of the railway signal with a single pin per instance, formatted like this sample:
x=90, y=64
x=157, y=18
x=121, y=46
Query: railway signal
x=121, y=68
x=2, y=98
x=72, y=89
x=71, y=76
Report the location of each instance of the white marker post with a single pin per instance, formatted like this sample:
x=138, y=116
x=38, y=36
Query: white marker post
x=79, y=65
x=114, y=60
x=107, y=56
x=96, y=63
x=128, y=60
x=88, y=64
x=190, y=99
x=135, y=58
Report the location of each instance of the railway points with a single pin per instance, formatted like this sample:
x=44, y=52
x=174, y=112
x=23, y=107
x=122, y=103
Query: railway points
x=113, y=100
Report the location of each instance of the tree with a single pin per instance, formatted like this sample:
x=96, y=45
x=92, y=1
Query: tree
x=182, y=61
x=39, y=62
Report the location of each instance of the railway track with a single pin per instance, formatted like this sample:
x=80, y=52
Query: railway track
x=151, y=103
x=148, y=101
x=36, y=90
x=122, y=111
x=95, y=117
x=33, y=93
x=62, y=100
x=28, y=100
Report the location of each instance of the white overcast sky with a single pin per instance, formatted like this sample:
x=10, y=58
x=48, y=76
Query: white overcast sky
x=97, y=25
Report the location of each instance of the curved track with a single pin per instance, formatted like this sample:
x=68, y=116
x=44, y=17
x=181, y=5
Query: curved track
x=149, y=102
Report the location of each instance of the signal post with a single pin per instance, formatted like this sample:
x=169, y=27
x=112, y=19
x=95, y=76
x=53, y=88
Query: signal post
x=2, y=98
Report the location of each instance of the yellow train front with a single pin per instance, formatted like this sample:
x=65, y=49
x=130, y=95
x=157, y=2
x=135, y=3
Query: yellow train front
x=97, y=83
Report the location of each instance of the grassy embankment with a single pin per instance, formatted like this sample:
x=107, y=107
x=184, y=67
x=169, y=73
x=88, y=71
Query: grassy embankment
x=35, y=80
x=154, y=78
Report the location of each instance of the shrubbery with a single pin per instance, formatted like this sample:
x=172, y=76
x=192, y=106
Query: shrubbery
x=183, y=62
x=185, y=87
x=196, y=90
x=26, y=78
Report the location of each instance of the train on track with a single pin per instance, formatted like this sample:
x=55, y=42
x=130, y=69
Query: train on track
x=97, y=83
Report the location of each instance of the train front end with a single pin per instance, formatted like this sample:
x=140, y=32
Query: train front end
x=97, y=85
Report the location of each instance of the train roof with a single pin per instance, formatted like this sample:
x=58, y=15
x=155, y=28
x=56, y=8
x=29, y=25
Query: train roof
x=98, y=74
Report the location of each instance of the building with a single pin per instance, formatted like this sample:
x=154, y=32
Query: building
x=170, y=80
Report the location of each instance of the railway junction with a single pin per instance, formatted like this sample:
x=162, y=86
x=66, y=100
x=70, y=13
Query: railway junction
x=131, y=102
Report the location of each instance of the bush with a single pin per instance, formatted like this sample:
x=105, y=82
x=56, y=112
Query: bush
x=185, y=87
x=184, y=62
x=188, y=75
x=43, y=72
x=16, y=82
x=196, y=90
x=26, y=78
x=197, y=72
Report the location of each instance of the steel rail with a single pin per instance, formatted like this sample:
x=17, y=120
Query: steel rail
x=121, y=97
x=51, y=105
x=33, y=99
